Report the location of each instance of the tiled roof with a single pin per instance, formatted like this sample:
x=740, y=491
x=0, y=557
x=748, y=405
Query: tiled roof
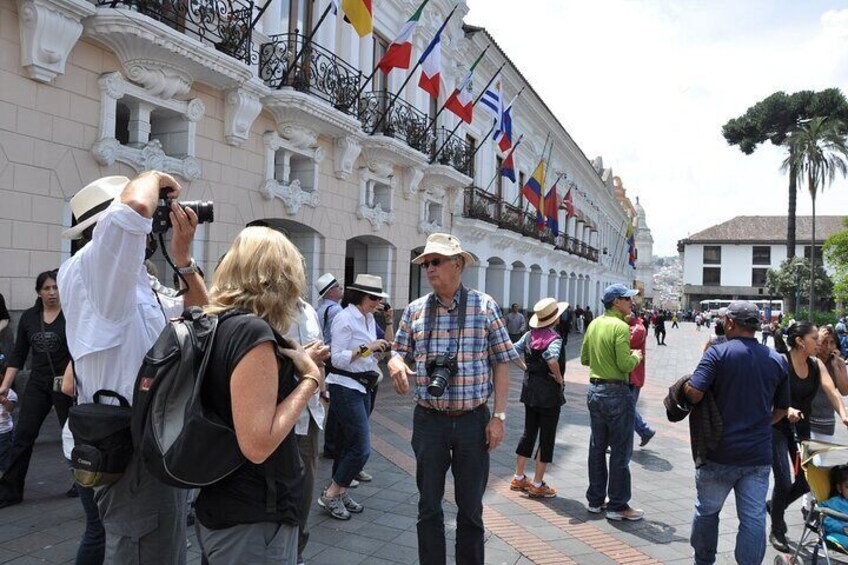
x=771, y=229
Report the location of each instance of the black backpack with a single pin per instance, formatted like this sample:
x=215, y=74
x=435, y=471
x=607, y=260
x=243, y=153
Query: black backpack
x=179, y=442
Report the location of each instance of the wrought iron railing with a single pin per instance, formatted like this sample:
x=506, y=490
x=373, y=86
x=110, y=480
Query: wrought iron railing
x=482, y=205
x=317, y=70
x=453, y=151
x=225, y=24
x=403, y=120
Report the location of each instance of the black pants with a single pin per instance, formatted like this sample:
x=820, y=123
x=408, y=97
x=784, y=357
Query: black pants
x=540, y=422
x=441, y=443
x=37, y=399
x=660, y=332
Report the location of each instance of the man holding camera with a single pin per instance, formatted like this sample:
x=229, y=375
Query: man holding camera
x=458, y=340
x=113, y=316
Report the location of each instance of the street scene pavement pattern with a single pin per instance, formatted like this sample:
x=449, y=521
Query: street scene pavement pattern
x=47, y=526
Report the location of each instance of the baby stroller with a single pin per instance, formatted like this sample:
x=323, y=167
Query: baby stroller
x=821, y=489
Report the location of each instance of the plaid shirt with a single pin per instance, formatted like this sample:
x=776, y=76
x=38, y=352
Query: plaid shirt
x=484, y=341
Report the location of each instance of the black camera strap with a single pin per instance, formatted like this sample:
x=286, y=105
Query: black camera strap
x=432, y=306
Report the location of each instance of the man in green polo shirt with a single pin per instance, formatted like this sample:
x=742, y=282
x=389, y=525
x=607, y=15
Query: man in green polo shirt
x=606, y=351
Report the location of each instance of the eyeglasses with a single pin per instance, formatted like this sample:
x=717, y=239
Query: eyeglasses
x=435, y=262
x=374, y=298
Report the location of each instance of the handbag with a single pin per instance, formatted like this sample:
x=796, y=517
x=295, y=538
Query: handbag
x=103, y=446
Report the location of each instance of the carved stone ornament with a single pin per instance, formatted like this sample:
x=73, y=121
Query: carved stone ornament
x=429, y=227
x=413, y=177
x=380, y=168
x=347, y=151
x=375, y=215
x=49, y=30
x=292, y=196
x=241, y=110
x=159, y=78
x=299, y=135
x=107, y=151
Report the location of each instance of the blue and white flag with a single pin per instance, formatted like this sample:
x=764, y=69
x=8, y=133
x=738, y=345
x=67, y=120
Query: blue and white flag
x=335, y=5
x=493, y=101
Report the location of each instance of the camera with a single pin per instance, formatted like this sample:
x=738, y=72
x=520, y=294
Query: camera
x=440, y=370
x=162, y=218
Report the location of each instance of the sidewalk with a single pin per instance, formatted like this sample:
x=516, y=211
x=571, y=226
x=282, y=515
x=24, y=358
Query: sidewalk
x=46, y=528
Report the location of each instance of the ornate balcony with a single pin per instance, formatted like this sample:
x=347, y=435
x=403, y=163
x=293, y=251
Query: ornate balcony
x=225, y=24
x=317, y=71
x=454, y=152
x=403, y=121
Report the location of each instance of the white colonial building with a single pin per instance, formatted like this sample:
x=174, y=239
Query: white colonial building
x=276, y=129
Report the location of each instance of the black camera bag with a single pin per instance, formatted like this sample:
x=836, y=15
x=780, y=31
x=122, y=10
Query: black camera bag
x=368, y=379
x=103, y=444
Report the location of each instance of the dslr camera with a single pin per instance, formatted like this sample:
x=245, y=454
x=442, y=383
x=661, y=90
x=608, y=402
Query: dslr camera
x=162, y=218
x=440, y=370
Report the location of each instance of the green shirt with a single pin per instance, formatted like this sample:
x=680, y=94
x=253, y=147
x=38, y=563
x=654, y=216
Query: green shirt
x=606, y=348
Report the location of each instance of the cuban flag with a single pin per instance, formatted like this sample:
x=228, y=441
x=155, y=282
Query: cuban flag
x=508, y=166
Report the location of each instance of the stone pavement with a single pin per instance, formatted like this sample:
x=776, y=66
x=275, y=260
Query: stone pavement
x=47, y=526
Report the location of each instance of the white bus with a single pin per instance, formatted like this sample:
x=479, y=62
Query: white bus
x=774, y=307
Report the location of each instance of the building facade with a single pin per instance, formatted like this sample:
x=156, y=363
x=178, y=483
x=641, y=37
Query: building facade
x=730, y=260
x=278, y=127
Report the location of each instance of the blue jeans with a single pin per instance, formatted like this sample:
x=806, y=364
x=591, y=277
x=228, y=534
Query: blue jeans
x=714, y=482
x=611, y=410
x=92, y=547
x=6, y=441
x=353, y=443
x=640, y=426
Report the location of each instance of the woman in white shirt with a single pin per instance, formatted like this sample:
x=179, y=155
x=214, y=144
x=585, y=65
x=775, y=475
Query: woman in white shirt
x=351, y=376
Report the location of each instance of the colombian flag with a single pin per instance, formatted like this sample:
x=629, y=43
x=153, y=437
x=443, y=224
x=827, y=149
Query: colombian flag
x=532, y=190
x=360, y=15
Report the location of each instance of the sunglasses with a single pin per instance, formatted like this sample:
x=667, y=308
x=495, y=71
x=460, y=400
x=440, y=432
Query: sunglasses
x=435, y=262
x=374, y=298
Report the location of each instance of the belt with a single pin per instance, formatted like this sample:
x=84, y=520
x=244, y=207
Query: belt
x=608, y=382
x=450, y=413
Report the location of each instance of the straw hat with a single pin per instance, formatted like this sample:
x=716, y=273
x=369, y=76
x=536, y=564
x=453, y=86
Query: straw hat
x=324, y=283
x=446, y=245
x=369, y=284
x=547, y=311
x=89, y=204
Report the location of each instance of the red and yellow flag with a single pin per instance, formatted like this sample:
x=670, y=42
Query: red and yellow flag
x=360, y=15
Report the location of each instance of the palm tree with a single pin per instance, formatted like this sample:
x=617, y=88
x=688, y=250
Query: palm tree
x=817, y=151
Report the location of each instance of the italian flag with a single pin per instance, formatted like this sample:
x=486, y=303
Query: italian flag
x=360, y=15
x=431, y=66
x=461, y=101
x=399, y=53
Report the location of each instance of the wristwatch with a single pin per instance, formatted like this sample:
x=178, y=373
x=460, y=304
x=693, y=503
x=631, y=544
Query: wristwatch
x=500, y=416
x=188, y=269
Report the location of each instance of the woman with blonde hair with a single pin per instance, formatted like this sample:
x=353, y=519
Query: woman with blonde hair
x=258, y=384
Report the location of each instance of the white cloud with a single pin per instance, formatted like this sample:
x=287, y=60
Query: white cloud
x=648, y=85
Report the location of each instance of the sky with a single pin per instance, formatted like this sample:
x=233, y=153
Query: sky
x=648, y=84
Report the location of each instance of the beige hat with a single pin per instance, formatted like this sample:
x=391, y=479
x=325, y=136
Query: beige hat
x=547, y=311
x=446, y=245
x=369, y=284
x=89, y=204
x=324, y=283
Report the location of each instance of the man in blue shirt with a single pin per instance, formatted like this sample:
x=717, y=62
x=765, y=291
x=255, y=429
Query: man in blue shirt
x=749, y=383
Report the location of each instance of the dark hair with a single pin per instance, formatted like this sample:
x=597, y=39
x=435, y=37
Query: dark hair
x=838, y=475
x=43, y=278
x=783, y=343
x=355, y=297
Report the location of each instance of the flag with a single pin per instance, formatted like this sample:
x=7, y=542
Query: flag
x=631, y=246
x=335, y=5
x=503, y=133
x=431, y=65
x=492, y=100
x=552, y=208
x=508, y=165
x=461, y=102
x=532, y=189
x=568, y=205
x=399, y=53
x=359, y=14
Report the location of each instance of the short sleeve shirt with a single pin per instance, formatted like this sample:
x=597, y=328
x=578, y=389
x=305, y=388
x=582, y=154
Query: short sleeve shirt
x=747, y=380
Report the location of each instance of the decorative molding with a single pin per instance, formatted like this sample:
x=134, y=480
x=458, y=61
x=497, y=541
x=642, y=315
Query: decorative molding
x=49, y=29
x=376, y=215
x=292, y=195
x=369, y=209
x=241, y=110
x=347, y=150
x=298, y=135
x=159, y=78
x=414, y=175
x=107, y=151
x=278, y=182
x=287, y=105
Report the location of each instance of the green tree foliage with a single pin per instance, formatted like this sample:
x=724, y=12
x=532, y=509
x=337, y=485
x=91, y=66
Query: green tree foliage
x=792, y=272
x=836, y=253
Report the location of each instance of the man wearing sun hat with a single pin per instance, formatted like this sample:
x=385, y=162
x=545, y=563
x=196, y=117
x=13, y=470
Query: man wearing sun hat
x=113, y=315
x=452, y=425
x=606, y=351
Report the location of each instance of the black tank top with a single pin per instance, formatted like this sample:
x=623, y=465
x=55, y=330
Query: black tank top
x=802, y=393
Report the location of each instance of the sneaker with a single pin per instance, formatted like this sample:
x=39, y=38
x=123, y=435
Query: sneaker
x=597, y=509
x=519, y=484
x=364, y=477
x=647, y=438
x=543, y=491
x=353, y=483
x=629, y=514
x=779, y=542
x=335, y=506
x=351, y=504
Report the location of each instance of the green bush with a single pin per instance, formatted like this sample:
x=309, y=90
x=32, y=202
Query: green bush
x=819, y=318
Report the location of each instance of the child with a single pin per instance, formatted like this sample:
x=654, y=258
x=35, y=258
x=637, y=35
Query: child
x=836, y=530
x=542, y=394
x=7, y=426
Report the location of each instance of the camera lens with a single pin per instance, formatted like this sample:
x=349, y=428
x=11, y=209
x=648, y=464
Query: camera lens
x=204, y=210
x=437, y=386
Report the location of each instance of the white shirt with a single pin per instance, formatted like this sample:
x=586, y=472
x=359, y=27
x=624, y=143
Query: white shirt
x=351, y=328
x=112, y=316
x=306, y=329
x=6, y=423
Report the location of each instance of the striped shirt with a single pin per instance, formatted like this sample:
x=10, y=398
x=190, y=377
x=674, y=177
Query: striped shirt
x=483, y=342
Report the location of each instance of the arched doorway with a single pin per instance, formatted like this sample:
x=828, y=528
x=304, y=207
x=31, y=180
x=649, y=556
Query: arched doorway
x=517, y=277
x=372, y=255
x=496, y=280
x=535, y=293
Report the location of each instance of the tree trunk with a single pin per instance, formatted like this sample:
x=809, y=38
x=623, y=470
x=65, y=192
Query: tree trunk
x=812, y=261
x=790, y=304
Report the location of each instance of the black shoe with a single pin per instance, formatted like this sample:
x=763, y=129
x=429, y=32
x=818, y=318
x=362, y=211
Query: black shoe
x=72, y=492
x=647, y=438
x=779, y=542
x=10, y=502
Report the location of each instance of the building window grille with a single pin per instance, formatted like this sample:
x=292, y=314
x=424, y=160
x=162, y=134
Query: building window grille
x=762, y=255
x=712, y=255
x=712, y=276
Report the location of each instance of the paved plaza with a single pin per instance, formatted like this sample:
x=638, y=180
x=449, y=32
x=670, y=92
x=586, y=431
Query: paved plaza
x=47, y=526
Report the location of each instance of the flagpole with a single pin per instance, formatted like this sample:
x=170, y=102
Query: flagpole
x=456, y=127
x=480, y=145
x=409, y=77
x=444, y=104
x=521, y=188
x=307, y=40
x=253, y=23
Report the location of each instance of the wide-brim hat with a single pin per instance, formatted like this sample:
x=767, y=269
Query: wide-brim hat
x=446, y=245
x=369, y=284
x=324, y=283
x=547, y=311
x=89, y=204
